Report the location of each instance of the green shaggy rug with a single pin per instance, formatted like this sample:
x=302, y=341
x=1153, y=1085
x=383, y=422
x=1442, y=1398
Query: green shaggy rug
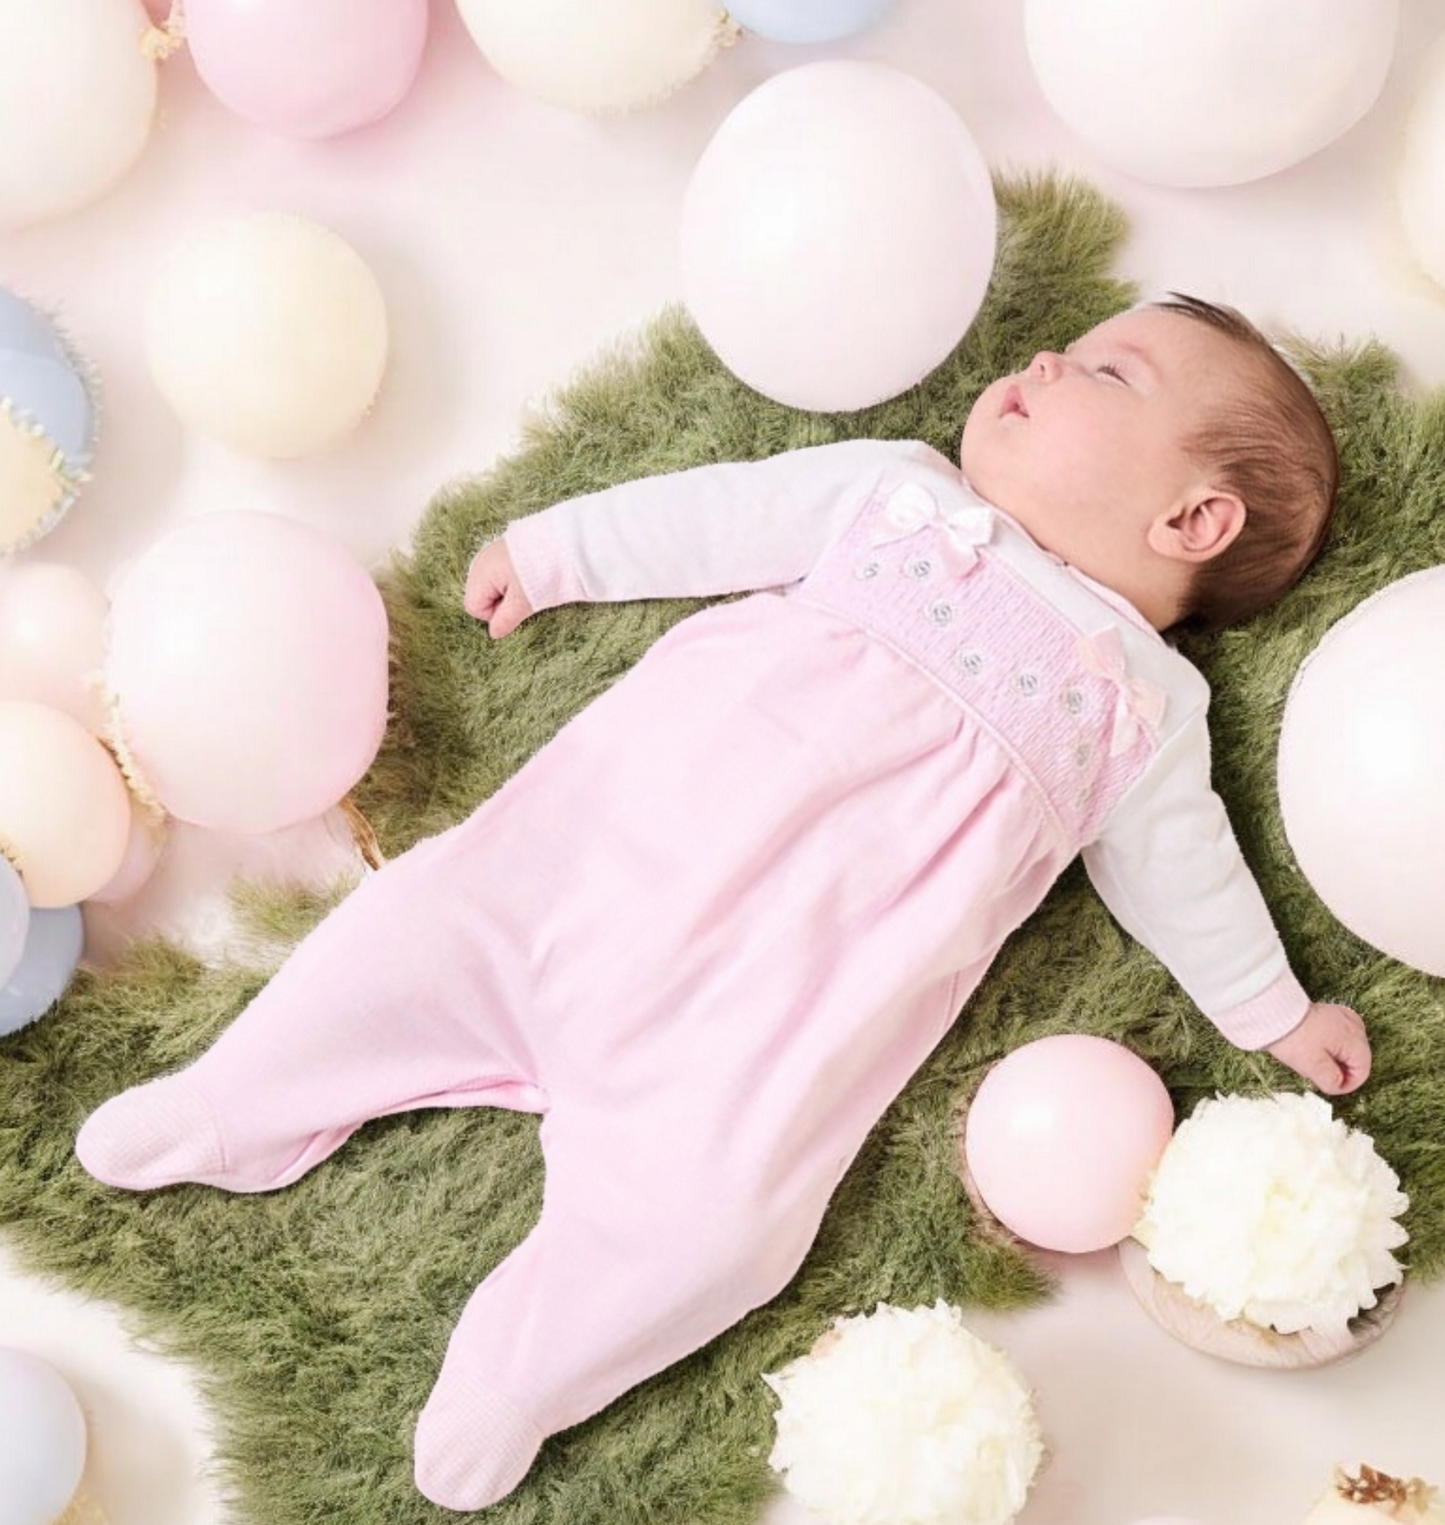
x=318, y=1315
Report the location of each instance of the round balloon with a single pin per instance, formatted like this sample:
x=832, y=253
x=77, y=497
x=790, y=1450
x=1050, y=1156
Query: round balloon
x=588, y=56
x=807, y=20
x=248, y=665
x=143, y=851
x=64, y=809
x=1210, y=92
x=77, y=97
x=42, y=1441
x=1062, y=1137
x=268, y=332
x=1361, y=757
x=47, y=423
x=307, y=68
x=14, y=918
x=52, y=637
x=1421, y=167
x=810, y=261
x=52, y=951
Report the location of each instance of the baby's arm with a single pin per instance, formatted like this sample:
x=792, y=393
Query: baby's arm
x=727, y=528
x=1170, y=869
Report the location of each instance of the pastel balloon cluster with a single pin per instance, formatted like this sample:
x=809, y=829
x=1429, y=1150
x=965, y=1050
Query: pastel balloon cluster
x=47, y=424
x=42, y=1441
x=237, y=680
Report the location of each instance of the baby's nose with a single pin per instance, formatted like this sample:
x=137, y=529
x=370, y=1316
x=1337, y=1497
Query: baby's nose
x=1046, y=365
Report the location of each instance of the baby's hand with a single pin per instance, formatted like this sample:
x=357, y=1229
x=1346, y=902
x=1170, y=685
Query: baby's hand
x=1329, y=1048
x=494, y=593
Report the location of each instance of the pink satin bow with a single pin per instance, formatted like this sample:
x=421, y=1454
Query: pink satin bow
x=912, y=508
x=1140, y=705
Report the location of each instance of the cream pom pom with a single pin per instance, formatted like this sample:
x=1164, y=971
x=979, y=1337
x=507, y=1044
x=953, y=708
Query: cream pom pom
x=1270, y=1209
x=902, y=1417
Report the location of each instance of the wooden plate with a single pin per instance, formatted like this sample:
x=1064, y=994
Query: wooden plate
x=1244, y=1343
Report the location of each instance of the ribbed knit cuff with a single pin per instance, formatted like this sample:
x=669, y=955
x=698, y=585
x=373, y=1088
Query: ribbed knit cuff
x=1266, y=1018
x=542, y=562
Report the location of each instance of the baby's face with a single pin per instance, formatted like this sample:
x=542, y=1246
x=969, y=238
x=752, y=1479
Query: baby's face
x=1086, y=448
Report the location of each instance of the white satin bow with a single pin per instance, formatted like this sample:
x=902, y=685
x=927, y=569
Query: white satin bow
x=1140, y=705
x=913, y=508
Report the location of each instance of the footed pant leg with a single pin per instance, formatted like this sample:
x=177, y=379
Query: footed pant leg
x=395, y=1001
x=648, y=1246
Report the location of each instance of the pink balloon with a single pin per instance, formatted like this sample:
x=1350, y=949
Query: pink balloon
x=248, y=660
x=307, y=68
x=143, y=851
x=837, y=235
x=52, y=623
x=1062, y=1138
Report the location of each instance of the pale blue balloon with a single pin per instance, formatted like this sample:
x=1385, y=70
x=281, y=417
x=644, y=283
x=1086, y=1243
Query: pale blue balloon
x=14, y=918
x=42, y=1440
x=51, y=393
x=42, y=383
x=807, y=21
x=52, y=950
x=28, y=331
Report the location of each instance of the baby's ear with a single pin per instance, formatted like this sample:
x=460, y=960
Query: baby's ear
x=1200, y=529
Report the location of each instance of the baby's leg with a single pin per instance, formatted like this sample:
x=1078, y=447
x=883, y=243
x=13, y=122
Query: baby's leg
x=647, y=1247
x=389, y=1005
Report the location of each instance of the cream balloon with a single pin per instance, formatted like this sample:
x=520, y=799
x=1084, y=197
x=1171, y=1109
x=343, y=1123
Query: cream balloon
x=1210, y=92
x=269, y=333
x=52, y=639
x=77, y=98
x=598, y=55
x=64, y=808
x=1361, y=760
x=813, y=261
x=1422, y=170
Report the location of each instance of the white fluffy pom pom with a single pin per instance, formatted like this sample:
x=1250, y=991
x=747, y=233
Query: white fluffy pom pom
x=1270, y=1209
x=902, y=1417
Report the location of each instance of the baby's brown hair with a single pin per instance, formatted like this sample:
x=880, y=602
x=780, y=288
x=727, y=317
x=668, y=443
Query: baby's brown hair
x=1272, y=448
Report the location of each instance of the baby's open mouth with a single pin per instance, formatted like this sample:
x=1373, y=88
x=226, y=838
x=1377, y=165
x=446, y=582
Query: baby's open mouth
x=1013, y=402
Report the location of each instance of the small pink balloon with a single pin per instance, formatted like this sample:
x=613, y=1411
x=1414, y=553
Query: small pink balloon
x=143, y=851
x=1062, y=1138
x=52, y=637
x=307, y=68
x=64, y=809
x=248, y=661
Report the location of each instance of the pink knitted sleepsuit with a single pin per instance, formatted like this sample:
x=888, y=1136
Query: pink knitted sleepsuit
x=713, y=927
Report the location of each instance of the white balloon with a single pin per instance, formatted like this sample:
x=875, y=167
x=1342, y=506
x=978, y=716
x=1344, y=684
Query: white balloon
x=42, y=1440
x=77, y=98
x=598, y=55
x=1422, y=170
x=1210, y=92
x=1361, y=760
x=838, y=235
x=268, y=332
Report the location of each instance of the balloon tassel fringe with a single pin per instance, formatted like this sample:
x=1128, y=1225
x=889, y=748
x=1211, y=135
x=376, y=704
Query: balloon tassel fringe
x=166, y=40
x=362, y=834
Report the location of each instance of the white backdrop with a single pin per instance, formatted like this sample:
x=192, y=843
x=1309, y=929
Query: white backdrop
x=512, y=240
